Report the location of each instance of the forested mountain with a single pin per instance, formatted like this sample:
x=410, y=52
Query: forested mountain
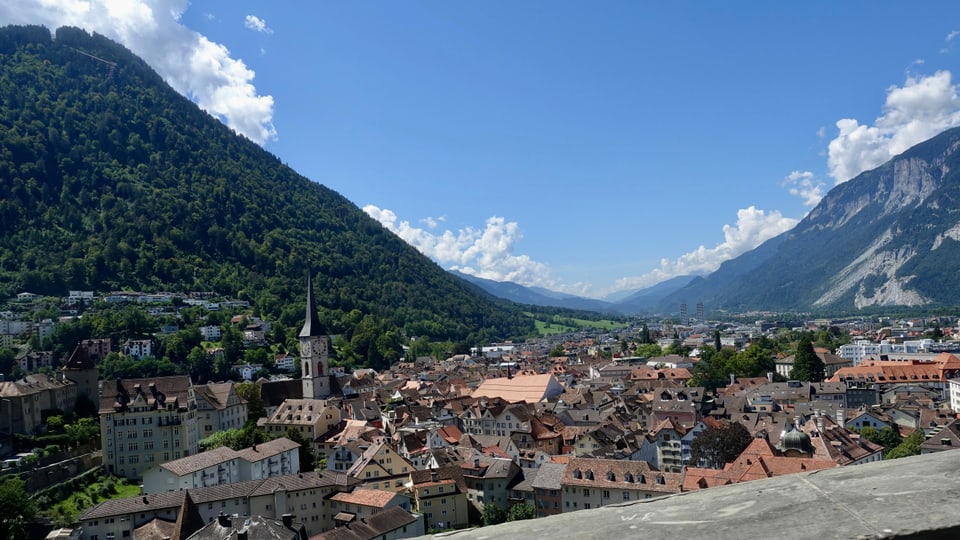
x=535, y=296
x=889, y=237
x=111, y=180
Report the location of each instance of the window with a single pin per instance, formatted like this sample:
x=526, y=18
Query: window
x=586, y=492
x=606, y=494
x=626, y=495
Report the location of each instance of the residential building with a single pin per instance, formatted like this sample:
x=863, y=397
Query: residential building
x=146, y=422
x=362, y=503
x=591, y=483
x=219, y=408
x=441, y=496
x=224, y=465
x=313, y=418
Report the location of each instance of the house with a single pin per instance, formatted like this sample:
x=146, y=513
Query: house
x=380, y=467
x=137, y=348
x=441, y=496
x=945, y=438
x=391, y=524
x=362, y=503
x=592, y=483
x=219, y=408
x=224, y=465
x=304, y=495
x=548, y=489
x=312, y=418
x=227, y=526
x=210, y=332
x=489, y=480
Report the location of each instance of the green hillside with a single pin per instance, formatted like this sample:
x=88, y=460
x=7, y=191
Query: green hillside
x=110, y=180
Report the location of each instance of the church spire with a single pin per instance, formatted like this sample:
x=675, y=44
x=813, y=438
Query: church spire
x=311, y=324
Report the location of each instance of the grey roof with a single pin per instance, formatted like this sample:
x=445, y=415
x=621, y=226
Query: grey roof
x=311, y=323
x=549, y=476
x=373, y=526
x=253, y=527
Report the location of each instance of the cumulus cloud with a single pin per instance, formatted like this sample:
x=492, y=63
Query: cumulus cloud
x=189, y=62
x=487, y=253
x=921, y=108
x=952, y=35
x=754, y=227
x=257, y=24
x=804, y=184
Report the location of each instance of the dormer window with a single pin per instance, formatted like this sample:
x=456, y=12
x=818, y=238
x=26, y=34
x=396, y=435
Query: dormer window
x=628, y=478
x=589, y=474
x=577, y=474
x=611, y=477
x=660, y=479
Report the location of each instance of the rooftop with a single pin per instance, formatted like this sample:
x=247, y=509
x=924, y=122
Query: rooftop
x=906, y=498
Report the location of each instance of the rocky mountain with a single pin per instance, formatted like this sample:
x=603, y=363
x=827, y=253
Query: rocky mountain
x=110, y=180
x=889, y=237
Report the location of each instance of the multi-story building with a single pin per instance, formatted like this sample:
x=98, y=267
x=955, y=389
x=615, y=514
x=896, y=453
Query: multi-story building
x=312, y=418
x=225, y=465
x=23, y=401
x=592, y=483
x=146, y=422
x=441, y=496
x=219, y=408
x=304, y=495
x=138, y=348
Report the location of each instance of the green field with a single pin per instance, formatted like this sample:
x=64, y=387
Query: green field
x=66, y=511
x=560, y=325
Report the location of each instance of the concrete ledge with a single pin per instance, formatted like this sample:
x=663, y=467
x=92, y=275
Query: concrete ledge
x=916, y=497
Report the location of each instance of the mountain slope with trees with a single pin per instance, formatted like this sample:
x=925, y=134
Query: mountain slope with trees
x=111, y=180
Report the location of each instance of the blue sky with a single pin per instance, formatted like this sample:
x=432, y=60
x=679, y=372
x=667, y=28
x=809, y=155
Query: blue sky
x=582, y=147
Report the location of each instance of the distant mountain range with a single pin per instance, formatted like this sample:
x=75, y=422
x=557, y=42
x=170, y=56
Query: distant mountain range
x=889, y=237
x=632, y=303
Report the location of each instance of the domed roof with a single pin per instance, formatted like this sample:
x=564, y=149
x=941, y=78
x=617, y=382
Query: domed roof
x=796, y=440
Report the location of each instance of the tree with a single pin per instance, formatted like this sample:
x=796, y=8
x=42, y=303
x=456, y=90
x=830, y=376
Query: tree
x=807, y=366
x=557, y=351
x=250, y=392
x=717, y=344
x=493, y=514
x=307, y=458
x=17, y=509
x=521, y=511
x=717, y=446
x=909, y=447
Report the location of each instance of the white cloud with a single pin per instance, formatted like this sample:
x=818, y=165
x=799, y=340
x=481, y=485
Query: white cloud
x=189, y=62
x=921, y=108
x=257, y=24
x=486, y=253
x=754, y=227
x=489, y=253
x=952, y=35
x=804, y=184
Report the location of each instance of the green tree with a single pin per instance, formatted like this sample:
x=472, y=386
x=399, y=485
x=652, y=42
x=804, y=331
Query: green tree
x=308, y=460
x=909, y=447
x=493, y=514
x=807, y=366
x=17, y=509
x=521, y=511
x=717, y=446
x=557, y=351
x=250, y=392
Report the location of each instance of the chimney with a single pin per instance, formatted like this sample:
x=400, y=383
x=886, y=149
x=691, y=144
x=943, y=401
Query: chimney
x=769, y=376
x=819, y=420
x=288, y=520
x=242, y=535
x=223, y=520
x=476, y=463
x=733, y=378
x=841, y=421
x=434, y=476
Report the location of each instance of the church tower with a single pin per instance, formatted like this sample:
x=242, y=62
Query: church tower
x=314, y=358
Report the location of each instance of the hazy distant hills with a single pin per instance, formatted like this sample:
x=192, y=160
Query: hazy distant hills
x=889, y=237
x=633, y=303
x=110, y=180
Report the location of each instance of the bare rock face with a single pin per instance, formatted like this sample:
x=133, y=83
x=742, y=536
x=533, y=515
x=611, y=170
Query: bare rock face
x=890, y=236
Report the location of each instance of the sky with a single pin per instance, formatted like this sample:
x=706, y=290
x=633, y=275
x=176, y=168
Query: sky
x=588, y=148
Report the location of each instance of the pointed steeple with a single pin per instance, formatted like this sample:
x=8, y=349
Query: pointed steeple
x=311, y=324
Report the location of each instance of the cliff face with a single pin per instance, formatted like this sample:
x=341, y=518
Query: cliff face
x=890, y=236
